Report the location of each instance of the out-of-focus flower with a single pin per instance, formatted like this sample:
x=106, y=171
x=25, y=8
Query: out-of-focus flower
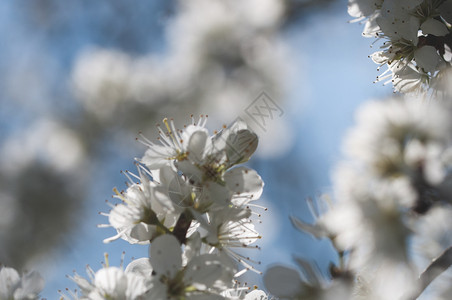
x=387, y=131
x=110, y=283
x=406, y=143
x=39, y=188
x=397, y=168
x=47, y=141
x=16, y=287
x=433, y=233
x=218, y=61
x=389, y=280
x=368, y=220
x=34, y=199
x=286, y=283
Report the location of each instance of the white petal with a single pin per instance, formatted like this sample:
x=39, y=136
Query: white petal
x=31, y=285
x=166, y=255
x=435, y=27
x=136, y=286
x=380, y=57
x=283, y=282
x=371, y=28
x=164, y=175
x=193, y=173
x=219, y=141
x=164, y=203
x=140, y=266
x=111, y=281
x=156, y=291
x=158, y=156
x=9, y=280
x=178, y=191
x=143, y=232
x=397, y=27
x=427, y=58
x=243, y=181
x=205, y=270
x=85, y=286
x=256, y=295
x=122, y=216
x=408, y=80
x=197, y=145
x=216, y=194
x=205, y=297
x=192, y=246
x=240, y=146
x=360, y=8
x=317, y=230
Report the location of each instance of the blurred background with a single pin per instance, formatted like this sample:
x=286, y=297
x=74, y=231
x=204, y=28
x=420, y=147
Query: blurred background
x=80, y=79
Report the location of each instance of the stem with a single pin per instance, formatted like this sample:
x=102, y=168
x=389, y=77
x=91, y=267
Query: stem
x=438, y=266
x=436, y=41
x=182, y=225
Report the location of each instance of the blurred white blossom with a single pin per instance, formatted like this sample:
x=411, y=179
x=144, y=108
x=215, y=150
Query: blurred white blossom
x=16, y=287
x=218, y=60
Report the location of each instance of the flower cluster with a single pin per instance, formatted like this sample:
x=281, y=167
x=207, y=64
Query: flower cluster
x=192, y=202
x=16, y=287
x=418, y=43
x=233, y=49
x=390, y=221
x=395, y=179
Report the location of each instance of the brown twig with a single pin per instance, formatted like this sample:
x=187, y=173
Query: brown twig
x=182, y=225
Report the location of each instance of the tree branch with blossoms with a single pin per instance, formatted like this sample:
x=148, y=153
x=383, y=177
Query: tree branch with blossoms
x=192, y=201
x=191, y=191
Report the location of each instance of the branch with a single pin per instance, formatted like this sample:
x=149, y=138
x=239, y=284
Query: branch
x=182, y=225
x=438, y=266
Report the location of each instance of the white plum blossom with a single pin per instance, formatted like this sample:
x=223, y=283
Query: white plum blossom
x=214, y=62
x=389, y=280
x=363, y=8
x=286, y=283
x=145, y=212
x=392, y=197
x=433, y=233
x=200, y=156
x=109, y=283
x=228, y=231
x=16, y=287
x=204, y=275
x=368, y=219
x=404, y=142
x=416, y=35
x=385, y=128
x=396, y=164
x=204, y=165
x=194, y=206
x=176, y=145
x=243, y=293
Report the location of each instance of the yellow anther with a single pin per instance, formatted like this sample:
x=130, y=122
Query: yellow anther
x=107, y=264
